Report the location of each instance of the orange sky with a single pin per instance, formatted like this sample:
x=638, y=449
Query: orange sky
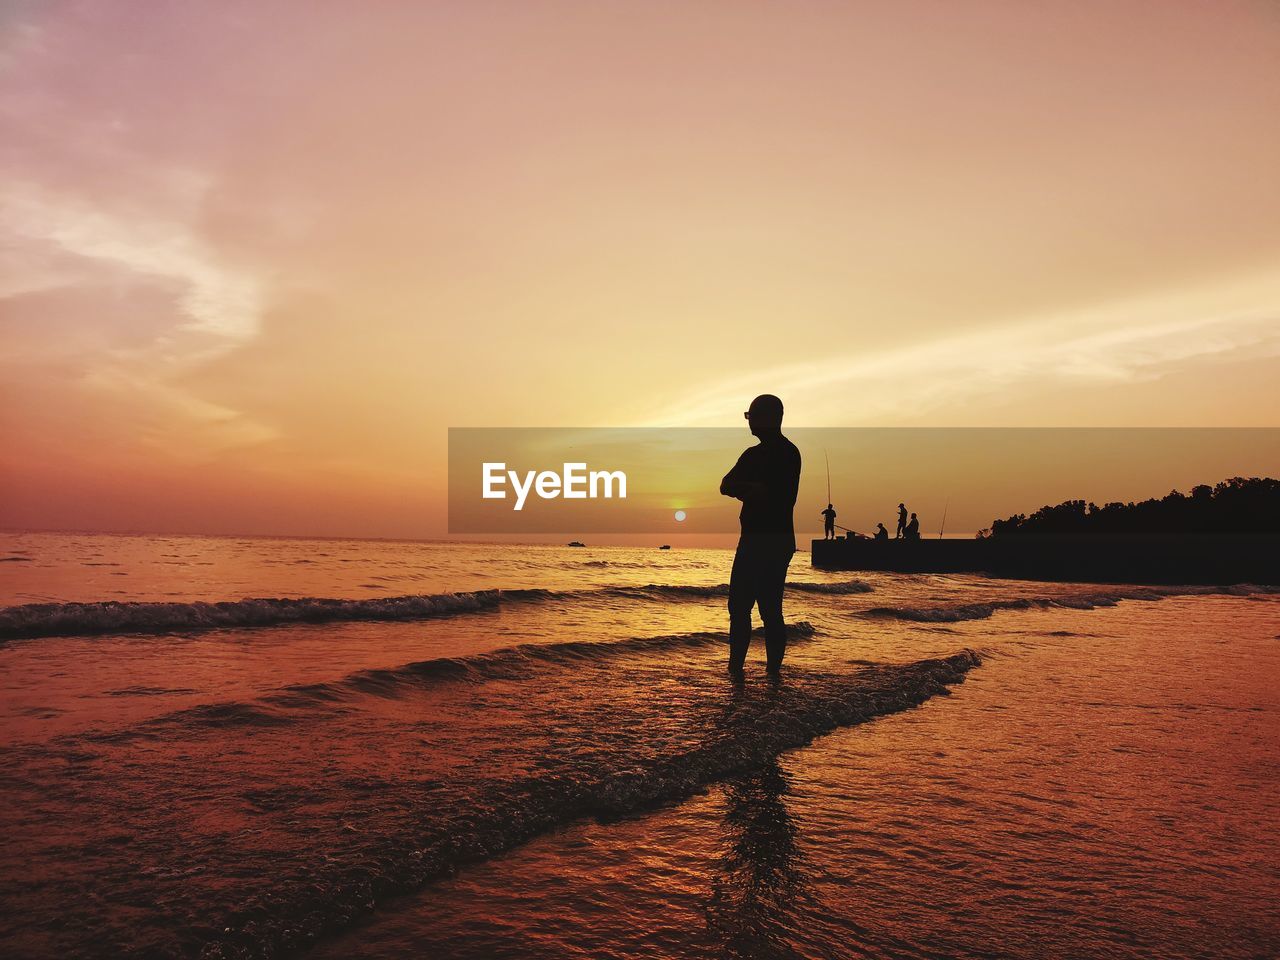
x=257, y=258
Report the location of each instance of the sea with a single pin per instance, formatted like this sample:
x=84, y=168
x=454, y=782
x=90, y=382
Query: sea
x=223, y=747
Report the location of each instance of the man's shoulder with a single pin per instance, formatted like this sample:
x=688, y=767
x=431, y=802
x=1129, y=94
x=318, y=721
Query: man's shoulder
x=774, y=451
x=790, y=450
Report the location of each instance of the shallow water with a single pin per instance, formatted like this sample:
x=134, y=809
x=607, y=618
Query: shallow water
x=568, y=772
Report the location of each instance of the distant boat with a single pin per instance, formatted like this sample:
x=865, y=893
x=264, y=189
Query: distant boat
x=576, y=543
x=665, y=546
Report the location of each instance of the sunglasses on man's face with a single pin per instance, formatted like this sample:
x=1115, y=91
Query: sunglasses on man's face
x=746, y=414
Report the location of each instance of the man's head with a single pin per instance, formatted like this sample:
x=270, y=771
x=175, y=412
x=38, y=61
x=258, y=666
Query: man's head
x=829, y=506
x=765, y=415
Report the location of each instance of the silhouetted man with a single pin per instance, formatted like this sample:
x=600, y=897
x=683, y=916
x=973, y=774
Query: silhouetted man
x=902, y=522
x=765, y=478
x=881, y=532
x=913, y=529
x=829, y=523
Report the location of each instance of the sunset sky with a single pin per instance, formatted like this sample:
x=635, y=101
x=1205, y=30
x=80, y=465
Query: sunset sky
x=256, y=258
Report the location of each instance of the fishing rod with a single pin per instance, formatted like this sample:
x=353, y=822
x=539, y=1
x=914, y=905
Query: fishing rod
x=944, y=517
x=827, y=458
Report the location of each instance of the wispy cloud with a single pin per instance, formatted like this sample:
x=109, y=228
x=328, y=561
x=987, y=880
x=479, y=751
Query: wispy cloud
x=217, y=309
x=218, y=300
x=1135, y=340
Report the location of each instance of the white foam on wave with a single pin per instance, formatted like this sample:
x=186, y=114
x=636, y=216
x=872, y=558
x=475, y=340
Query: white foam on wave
x=981, y=610
x=79, y=619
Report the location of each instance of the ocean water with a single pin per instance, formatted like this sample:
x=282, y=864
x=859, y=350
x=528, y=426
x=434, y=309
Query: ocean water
x=219, y=747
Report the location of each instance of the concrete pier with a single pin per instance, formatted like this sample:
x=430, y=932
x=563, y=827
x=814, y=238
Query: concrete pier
x=1147, y=558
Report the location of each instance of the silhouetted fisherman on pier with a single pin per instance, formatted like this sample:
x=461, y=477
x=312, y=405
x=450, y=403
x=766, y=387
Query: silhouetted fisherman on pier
x=902, y=522
x=881, y=532
x=829, y=523
x=766, y=479
x=913, y=529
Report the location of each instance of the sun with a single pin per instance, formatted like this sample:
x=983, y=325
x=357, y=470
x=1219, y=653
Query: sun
x=680, y=515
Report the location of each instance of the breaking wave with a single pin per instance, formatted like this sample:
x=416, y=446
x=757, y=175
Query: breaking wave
x=843, y=587
x=677, y=590
x=509, y=663
x=80, y=619
x=32, y=620
x=955, y=612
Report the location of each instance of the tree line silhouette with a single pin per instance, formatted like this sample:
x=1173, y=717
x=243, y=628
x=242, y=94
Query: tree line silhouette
x=1237, y=505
